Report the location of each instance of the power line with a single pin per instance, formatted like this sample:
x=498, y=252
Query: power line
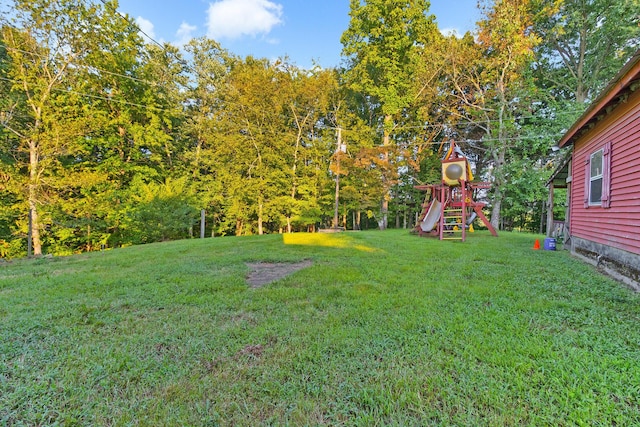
x=88, y=67
x=466, y=124
x=132, y=23
x=441, y=126
x=129, y=22
x=135, y=25
x=456, y=140
x=104, y=98
x=435, y=126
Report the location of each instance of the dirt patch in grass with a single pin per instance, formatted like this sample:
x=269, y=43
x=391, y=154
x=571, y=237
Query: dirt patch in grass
x=263, y=273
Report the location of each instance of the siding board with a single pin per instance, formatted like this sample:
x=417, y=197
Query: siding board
x=619, y=225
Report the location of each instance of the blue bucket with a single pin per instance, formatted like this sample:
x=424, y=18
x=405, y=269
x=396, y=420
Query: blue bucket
x=549, y=244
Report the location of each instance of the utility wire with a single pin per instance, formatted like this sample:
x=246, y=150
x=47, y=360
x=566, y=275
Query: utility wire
x=409, y=144
x=439, y=126
x=88, y=67
x=442, y=126
x=134, y=24
x=104, y=98
x=125, y=102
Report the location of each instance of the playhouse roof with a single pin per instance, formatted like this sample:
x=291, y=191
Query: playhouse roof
x=626, y=81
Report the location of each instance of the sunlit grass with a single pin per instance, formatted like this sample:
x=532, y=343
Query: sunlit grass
x=384, y=328
x=331, y=240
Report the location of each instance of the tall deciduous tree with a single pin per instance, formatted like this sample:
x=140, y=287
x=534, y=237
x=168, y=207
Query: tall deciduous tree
x=252, y=143
x=12, y=200
x=204, y=128
x=488, y=78
x=142, y=142
x=383, y=47
x=49, y=43
x=508, y=42
x=309, y=96
x=584, y=43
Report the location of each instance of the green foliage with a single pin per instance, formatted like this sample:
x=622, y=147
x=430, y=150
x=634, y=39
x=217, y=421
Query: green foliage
x=584, y=45
x=159, y=212
x=383, y=44
x=384, y=328
x=385, y=47
x=53, y=53
x=524, y=195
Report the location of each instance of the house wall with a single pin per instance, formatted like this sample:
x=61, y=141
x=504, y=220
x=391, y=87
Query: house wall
x=610, y=237
x=619, y=225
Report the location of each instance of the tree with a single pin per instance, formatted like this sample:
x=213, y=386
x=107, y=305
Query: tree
x=50, y=44
x=383, y=47
x=356, y=166
x=309, y=95
x=489, y=81
x=584, y=43
x=204, y=126
x=252, y=147
x=11, y=111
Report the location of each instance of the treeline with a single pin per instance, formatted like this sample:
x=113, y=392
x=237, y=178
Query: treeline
x=108, y=139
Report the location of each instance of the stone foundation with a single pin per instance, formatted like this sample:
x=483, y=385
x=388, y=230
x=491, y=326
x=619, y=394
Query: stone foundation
x=621, y=265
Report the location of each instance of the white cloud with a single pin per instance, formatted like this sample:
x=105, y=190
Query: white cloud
x=451, y=32
x=236, y=18
x=184, y=34
x=146, y=27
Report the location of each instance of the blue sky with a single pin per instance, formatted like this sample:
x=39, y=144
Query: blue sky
x=304, y=30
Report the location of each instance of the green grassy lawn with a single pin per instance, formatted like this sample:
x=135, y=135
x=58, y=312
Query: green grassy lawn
x=385, y=328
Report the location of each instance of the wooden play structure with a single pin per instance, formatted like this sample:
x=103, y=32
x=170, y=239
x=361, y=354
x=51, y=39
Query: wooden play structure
x=449, y=208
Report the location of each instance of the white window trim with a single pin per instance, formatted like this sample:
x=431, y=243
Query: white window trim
x=600, y=177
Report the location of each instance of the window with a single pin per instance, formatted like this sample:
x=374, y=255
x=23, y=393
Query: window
x=595, y=178
x=597, y=184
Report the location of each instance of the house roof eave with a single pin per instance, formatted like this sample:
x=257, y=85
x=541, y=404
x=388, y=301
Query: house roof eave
x=559, y=175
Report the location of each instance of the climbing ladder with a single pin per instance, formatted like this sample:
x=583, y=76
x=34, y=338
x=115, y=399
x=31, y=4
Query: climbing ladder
x=452, y=227
x=454, y=213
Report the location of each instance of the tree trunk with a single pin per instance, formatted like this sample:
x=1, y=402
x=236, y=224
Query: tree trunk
x=495, y=211
x=294, y=166
x=384, y=206
x=499, y=156
x=581, y=91
x=260, y=214
x=384, y=209
x=89, y=246
x=397, y=207
x=404, y=218
x=33, y=198
x=498, y=182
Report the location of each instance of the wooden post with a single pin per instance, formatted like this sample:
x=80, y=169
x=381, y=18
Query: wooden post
x=202, y=215
x=463, y=203
x=550, y=203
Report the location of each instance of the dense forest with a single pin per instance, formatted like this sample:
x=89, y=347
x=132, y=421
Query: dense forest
x=108, y=138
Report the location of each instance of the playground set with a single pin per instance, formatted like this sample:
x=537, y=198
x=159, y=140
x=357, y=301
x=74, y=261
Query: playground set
x=449, y=208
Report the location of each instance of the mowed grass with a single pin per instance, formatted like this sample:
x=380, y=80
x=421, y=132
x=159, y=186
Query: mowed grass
x=385, y=328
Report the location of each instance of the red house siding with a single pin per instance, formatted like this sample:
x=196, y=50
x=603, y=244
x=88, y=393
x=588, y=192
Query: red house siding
x=619, y=225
